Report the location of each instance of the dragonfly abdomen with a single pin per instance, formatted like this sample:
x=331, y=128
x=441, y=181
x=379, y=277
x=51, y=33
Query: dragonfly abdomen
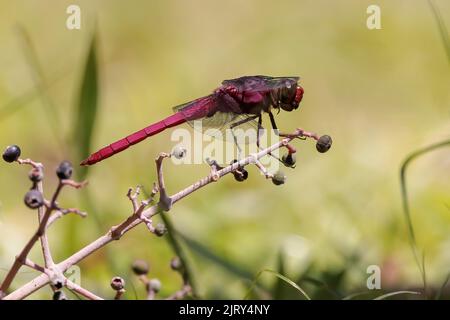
x=138, y=136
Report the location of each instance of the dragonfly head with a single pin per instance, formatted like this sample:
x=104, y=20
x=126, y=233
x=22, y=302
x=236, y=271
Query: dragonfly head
x=290, y=97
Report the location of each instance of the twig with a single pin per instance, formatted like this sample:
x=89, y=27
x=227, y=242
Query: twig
x=36, y=165
x=48, y=259
x=180, y=294
x=62, y=212
x=119, y=294
x=74, y=184
x=82, y=291
x=35, y=266
x=133, y=197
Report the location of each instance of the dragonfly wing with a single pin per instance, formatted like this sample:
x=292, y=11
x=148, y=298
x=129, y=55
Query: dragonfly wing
x=198, y=108
x=218, y=126
x=216, y=114
x=215, y=111
x=260, y=83
x=219, y=119
x=244, y=128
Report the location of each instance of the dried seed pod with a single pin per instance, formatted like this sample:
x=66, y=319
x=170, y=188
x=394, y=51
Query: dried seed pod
x=33, y=199
x=176, y=264
x=160, y=229
x=36, y=175
x=140, y=267
x=154, y=285
x=324, y=143
x=117, y=283
x=279, y=178
x=179, y=152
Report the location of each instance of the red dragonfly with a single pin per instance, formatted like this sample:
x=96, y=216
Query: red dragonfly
x=234, y=103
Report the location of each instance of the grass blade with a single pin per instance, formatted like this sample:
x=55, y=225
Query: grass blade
x=208, y=254
x=278, y=287
x=280, y=276
x=356, y=294
x=405, y=202
x=441, y=289
x=29, y=95
x=87, y=107
x=390, y=294
x=442, y=28
x=321, y=285
x=40, y=83
x=176, y=246
x=17, y=103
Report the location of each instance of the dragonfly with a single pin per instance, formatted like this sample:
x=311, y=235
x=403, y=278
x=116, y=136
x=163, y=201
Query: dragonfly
x=236, y=102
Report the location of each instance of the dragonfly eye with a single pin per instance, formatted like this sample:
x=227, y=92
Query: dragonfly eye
x=287, y=98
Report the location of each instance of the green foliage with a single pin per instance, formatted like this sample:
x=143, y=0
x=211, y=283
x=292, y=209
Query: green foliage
x=86, y=112
x=280, y=276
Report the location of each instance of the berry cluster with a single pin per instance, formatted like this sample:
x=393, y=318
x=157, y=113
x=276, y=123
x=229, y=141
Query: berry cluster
x=153, y=286
x=34, y=199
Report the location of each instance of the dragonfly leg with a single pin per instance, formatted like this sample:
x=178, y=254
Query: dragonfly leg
x=305, y=134
x=258, y=136
x=273, y=123
x=236, y=124
x=277, y=132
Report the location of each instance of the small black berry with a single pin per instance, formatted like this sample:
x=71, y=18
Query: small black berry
x=140, y=267
x=324, y=143
x=279, y=178
x=117, y=283
x=64, y=170
x=33, y=199
x=11, y=153
x=289, y=159
x=240, y=174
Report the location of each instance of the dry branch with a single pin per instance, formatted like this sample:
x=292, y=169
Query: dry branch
x=141, y=213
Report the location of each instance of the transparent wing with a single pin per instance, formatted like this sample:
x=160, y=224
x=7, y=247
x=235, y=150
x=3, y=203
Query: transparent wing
x=242, y=126
x=199, y=108
x=212, y=111
x=261, y=83
x=219, y=120
x=214, y=116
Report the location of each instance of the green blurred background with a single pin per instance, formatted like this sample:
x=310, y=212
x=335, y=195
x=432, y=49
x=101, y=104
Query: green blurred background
x=379, y=93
